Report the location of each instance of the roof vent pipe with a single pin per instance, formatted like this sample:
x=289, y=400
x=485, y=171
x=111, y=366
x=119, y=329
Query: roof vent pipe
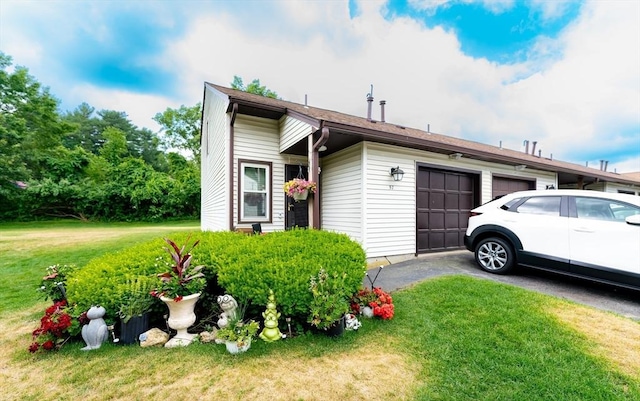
x=533, y=149
x=369, y=103
x=382, y=103
x=606, y=163
x=526, y=146
x=539, y=152
x=601, y=164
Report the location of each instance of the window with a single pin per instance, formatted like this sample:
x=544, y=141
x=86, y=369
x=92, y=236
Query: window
x=548, y=205
x=255, y=192
x=604, y=209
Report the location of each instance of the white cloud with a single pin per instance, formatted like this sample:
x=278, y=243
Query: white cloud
x=574, y=97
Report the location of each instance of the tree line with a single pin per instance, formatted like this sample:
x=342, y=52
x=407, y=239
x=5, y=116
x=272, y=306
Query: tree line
x=92, y=164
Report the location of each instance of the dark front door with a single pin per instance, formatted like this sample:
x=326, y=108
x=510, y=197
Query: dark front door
x=444, y=199
x=297, y=213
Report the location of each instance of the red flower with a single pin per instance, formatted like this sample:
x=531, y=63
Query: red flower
x=34, y=347
x=48, y=345
x=178, y=298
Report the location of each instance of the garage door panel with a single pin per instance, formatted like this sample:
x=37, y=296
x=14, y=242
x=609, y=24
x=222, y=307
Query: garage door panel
x=422, y=198
x=437, y=200
x=452, y=182
x=444, y=199
x=452, y=201
x=436, y=219
x=452, y=221
x=436, y=181
x=466, y=183
x=506, y=185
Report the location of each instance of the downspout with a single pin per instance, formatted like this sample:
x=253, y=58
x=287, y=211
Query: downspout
x=315, y=175
x=234, y=113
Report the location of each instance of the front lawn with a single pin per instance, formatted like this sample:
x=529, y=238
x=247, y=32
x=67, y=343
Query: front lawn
x=452, y=338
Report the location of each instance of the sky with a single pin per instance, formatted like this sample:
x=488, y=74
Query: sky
x=565, y=74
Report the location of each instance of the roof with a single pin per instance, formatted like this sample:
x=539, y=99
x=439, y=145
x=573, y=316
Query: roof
x=352, y=129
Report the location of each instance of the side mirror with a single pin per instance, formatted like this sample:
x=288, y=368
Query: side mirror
x=633, y=220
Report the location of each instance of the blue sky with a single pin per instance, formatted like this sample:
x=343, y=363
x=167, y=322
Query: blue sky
x=563, y=73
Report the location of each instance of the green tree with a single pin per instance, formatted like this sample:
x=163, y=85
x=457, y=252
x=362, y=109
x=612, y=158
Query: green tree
x=30, y=130
x=254, y=87
x=181, y=128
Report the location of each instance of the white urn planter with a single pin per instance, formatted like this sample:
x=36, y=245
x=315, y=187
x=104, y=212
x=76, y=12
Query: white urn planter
x=181, y=317
x=234, y=348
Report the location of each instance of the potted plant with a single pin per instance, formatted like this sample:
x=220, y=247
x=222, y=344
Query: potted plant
x=329, y=303
x=382, y=305
x=135, y=303
x=180, y=289
x=299, y=188
x=53, y=283
x=361, y=300
x=238, y=332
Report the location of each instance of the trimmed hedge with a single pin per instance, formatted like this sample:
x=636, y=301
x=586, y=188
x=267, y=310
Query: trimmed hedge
x=285, y=261
x=243, y=266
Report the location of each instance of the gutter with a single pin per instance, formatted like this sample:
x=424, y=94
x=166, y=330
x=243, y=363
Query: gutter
x=234, y=113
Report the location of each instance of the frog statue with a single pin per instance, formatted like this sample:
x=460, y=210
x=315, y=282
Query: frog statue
x=271, y=332
x=96, y=332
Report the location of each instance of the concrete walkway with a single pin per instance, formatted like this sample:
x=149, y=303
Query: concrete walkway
x=402, y=274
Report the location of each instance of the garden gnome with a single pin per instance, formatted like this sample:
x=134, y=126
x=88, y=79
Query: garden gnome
x=228, y=305
x=96, y=332
x=271, y=332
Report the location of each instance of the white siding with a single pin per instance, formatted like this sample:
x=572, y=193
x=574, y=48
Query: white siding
x=389, y=209
x=614, y=187
x=258, y=139
x=389, y=206
x=293, y=131
x=214, y=163
x=341, y=192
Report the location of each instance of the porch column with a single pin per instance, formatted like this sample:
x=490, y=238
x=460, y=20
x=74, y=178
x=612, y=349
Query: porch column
x=314, y=175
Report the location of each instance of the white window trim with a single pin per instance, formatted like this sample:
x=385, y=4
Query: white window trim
x=268, y=189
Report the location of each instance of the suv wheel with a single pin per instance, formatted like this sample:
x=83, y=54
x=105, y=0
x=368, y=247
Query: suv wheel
x=495, y=255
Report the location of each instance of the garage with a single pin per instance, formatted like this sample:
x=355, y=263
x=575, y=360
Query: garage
x=506, y=185
x=443, y=201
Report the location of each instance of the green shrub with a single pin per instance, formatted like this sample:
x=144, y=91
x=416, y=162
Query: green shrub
x=243, y=266
x=284, y=262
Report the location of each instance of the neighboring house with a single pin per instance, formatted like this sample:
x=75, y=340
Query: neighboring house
x=252, y=144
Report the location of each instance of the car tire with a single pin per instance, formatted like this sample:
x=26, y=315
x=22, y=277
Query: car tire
x=495, y=255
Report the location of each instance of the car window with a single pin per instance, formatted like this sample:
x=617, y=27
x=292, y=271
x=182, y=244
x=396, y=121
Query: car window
x=547, y=205
x=604, y=209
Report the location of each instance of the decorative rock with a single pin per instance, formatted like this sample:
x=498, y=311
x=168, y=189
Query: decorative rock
x=208, y=336
x=153, y=337
x=96, y=332
x=228, y=305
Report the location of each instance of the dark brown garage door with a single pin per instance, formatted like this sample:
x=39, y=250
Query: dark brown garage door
x=505, y=185
x=444, y=199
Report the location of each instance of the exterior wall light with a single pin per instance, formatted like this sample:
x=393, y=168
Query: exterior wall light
x=397, y=173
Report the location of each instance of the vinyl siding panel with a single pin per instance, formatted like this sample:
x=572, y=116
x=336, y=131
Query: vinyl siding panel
x=341, y=192
x=258, y=139
x=389, y=208
x=214, y=163
x=293, y=131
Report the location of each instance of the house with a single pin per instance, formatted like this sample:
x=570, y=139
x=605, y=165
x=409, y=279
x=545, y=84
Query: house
x=252, y=144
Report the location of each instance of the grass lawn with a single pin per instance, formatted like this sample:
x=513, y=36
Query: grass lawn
x=452, y=338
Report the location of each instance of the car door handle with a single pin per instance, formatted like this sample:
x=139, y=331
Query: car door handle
x=583, y=230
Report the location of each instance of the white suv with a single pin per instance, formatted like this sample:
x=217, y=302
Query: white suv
x=589, y=234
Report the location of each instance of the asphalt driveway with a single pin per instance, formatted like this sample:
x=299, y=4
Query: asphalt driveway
x=405, y=273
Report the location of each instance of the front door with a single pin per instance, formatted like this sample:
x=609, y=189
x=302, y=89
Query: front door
x=297, y=213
